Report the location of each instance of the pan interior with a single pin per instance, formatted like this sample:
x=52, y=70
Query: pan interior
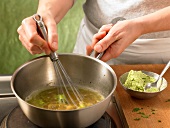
x=84, y=71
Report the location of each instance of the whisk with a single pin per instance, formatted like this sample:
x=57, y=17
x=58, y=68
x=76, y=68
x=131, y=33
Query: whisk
x=64, y=79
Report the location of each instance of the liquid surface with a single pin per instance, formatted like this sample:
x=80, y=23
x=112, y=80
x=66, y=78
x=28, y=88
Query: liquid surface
x=51, y=99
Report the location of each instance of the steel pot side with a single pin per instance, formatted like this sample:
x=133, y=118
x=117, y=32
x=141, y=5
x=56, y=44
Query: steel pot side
x=83, y=70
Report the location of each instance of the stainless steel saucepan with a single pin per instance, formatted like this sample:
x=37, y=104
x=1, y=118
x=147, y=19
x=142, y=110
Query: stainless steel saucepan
x=83, y=70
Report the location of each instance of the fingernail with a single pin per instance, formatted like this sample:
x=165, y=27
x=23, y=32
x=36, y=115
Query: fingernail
x=55, y=45
x=98, y=48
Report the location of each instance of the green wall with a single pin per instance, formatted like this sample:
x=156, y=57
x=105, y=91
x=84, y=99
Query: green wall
x=12, y=12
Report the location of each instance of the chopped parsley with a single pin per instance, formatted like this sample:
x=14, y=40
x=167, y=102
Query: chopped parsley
x=167, y=100
x=137, y=119
x=142, y=114
x=159, y=120
x=136, y=109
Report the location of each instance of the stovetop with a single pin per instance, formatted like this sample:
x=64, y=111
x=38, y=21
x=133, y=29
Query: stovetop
x=17, y=119
x=11, y=116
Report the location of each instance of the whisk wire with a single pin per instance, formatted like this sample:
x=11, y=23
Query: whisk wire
x=64, y=100
x=73, y=88
x=65, y=80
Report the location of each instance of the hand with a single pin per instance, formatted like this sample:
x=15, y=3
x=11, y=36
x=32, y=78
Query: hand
x=114, y=39
x=32, y=41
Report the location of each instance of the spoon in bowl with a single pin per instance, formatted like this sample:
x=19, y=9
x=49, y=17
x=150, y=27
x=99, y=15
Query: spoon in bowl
x=155, y=84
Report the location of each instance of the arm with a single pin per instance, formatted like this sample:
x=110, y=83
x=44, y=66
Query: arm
x=52, y=12
x=123, y=33
x=154, y=22
x=56, y=8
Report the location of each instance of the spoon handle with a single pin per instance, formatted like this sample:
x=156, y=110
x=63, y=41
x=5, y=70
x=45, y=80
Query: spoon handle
x=164, y=70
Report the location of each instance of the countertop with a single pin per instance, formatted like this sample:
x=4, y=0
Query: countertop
x=156, y=109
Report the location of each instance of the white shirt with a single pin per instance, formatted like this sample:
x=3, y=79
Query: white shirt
x=149, y=48
x=100, y=12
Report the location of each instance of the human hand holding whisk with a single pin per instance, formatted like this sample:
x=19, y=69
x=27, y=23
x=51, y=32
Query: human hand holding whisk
x=65, y=80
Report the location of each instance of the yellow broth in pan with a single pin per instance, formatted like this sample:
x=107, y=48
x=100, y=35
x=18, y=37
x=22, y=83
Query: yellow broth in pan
x=53, y=99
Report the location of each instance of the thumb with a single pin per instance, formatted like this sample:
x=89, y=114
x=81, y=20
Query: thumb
x=52, y=35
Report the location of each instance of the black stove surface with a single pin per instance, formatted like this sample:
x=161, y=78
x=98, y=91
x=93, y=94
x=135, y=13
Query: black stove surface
x=17, y=119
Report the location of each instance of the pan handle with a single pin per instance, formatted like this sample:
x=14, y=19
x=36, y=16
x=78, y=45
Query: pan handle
x=98, y=56
x=5, y=78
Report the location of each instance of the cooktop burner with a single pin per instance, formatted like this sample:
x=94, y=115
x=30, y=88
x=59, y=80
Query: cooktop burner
x=17, y=119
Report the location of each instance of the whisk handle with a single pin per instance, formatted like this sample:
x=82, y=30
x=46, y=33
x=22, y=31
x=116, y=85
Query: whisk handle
x=41, y=26
x=43, y=33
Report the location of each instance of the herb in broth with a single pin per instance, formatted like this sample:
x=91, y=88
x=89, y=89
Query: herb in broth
x=53, y=100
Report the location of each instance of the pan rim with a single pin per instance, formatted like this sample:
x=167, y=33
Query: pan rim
x=69, y=54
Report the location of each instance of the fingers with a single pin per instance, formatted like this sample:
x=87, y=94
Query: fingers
x=113, y=51
x=31, y=39
x=117, y=47
x=95, y=39
x=33, y=49
x=106, y=28
x=52, y=35
x=89, y=50
x=99, y=36
x=116, y=39
x=106, y=41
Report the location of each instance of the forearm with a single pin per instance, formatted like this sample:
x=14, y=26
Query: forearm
x=56, y=8
x=154, y=22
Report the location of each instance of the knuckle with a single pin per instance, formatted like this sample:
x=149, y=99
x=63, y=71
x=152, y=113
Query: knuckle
x=34, y=49
x=52, y=24
x=105, y=43
x=43, y=46
x=95, y=35
x=54, y=36
x=19, y=29
x=103, y=26
x=32, y=53
x=32, y=37
x=25, y=21
x=20, y=38
x=115, y=53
